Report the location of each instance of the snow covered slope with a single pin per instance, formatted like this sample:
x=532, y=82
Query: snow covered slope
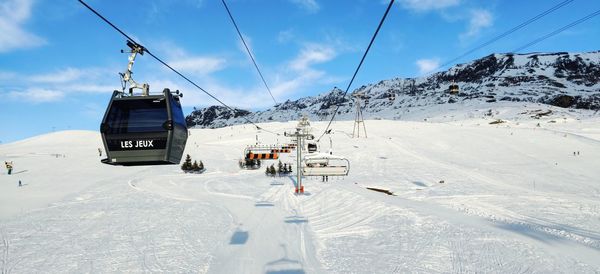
x=570, y=80
x=514, y=198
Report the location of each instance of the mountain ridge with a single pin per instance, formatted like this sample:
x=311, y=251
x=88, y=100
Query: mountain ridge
x=563, y=79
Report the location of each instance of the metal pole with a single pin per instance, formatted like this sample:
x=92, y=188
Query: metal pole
x=298, y=159
x=362, y=118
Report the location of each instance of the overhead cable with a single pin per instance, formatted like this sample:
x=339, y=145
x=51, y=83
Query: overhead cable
x=510, y=31
x=568, y=26
x=171, y=68
x=359, y=65
x=248, y=50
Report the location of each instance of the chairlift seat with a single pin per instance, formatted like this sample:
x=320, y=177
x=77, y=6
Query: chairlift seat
x=323, y=164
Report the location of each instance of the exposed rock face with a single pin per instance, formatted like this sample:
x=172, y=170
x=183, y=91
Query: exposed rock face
x=207, y=117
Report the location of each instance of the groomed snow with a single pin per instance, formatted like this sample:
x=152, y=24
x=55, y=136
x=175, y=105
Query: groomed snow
x=514, y=198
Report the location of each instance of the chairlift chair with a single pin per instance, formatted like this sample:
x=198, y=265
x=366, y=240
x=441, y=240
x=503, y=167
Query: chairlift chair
x=323, y=164
x=260, y=152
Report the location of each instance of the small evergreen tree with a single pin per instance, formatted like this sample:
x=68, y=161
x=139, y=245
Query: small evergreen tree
x=187, y=164
x=267, y=171
x=272, y=170
x=195, y=166
x=290, y=168
x=280, y=167
x=200, y=166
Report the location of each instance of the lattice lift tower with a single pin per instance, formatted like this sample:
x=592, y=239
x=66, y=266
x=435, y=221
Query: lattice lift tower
x=358, y=118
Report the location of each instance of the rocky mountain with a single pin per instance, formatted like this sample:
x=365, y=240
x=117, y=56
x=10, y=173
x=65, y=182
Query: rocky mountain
x=213, y=116
x=569, y=80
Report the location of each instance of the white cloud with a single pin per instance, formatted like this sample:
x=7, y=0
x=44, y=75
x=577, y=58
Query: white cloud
x=185, y=62
x=427, y=5
x=90, y=88
x=70, y=79
x=427, y=65
x=309, y=5
x=13, y=14
x=62, y=76
x=312, y=54
x=7, y=75
x=293, y=76
x=36, y=95
x=480, y=19
x=285, y=36
x=248, y=41
x=198, y=65
x=57, y=85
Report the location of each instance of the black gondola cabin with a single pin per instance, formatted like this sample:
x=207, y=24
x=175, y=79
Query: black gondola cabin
x=453, y=89
x=144, y=130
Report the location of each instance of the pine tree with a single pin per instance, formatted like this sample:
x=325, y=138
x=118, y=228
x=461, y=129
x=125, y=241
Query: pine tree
x=272, y=170
x=187, y=164
x=200, y=166
x=195, y=166
x=280, y=167
x=268, y=171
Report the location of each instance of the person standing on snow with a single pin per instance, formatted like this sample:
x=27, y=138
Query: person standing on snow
x=9, y=167
x=20, y=184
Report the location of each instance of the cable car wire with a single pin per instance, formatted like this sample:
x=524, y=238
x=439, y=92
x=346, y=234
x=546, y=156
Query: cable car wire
x=248, y=50
x=506, y=33
x=359, y=65
x=171, y=68
x=572, y=24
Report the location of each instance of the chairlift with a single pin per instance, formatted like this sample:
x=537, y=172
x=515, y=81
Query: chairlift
x=323, y=164
x=143, y=129
x=260, y=153
x=262, y=156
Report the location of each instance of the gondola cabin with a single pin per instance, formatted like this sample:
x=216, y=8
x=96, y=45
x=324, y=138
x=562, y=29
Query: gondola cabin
x=144, y=130
x=312, y=147
x=453, y=89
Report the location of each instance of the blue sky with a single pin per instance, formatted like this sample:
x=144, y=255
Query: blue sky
x=59, y=62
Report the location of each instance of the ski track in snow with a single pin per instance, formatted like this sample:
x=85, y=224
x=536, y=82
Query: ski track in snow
x=513, y=200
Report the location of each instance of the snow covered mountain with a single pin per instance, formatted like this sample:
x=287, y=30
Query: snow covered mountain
x=569, y=80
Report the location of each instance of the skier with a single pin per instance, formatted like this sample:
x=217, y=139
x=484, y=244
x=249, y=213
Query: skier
x=20, y=184
x=9, y=167
x=99, y=152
